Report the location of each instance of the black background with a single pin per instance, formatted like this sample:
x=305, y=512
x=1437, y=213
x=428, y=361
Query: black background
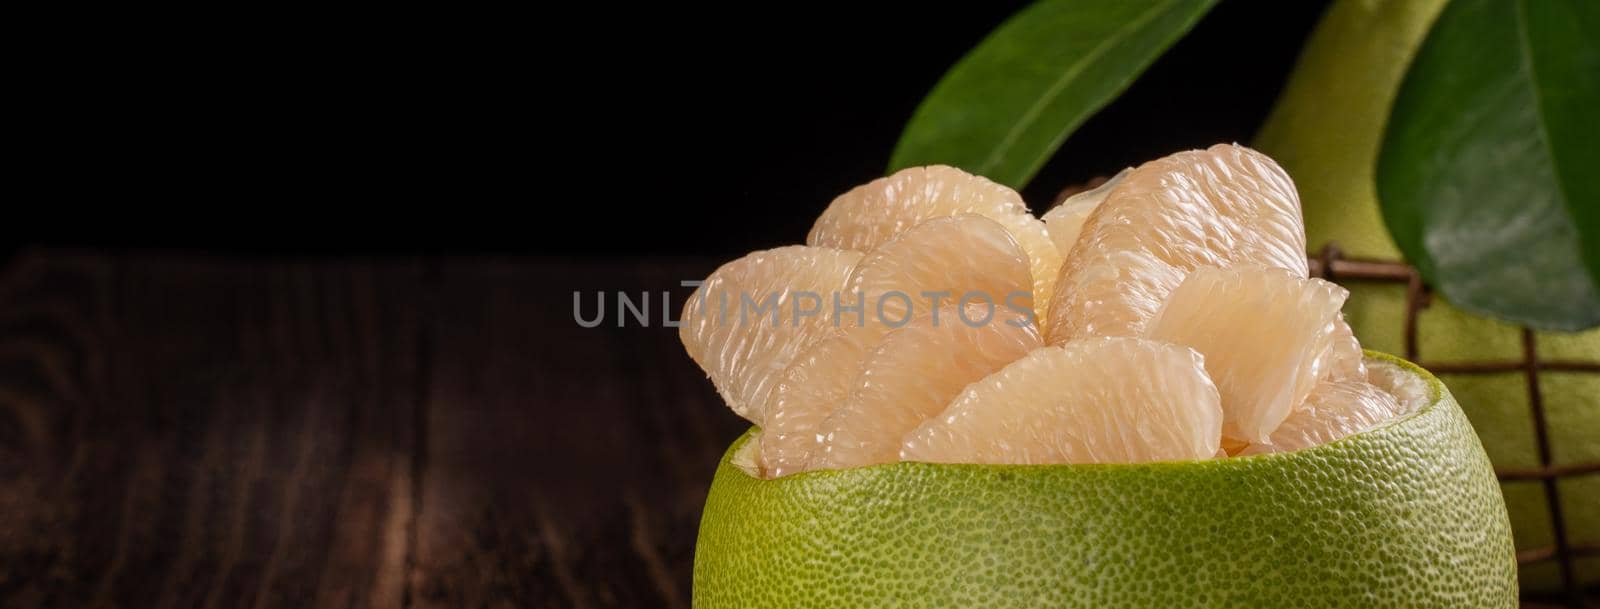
x=606, y=132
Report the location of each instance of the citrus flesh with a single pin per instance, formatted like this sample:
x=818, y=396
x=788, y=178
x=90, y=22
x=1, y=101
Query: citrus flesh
x=813, y=386
x=1164, y=219
x=873, y=213
x=1065, y=221
x=1106, y=400
x=913, y=374
x=1407, y=514
x=1333, y=410
x=1268, y=338
x=742, y=325
x=1197, y=251
x=965, y=257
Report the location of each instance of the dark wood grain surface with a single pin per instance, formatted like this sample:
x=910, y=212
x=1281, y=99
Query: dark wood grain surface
x=185, y=432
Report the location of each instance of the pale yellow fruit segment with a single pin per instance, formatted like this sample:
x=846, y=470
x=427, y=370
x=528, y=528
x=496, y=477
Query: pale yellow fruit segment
x=914, y=373
x=1268, y=337
x=956, y=256
x=1065, y=221
x=1347, y=361
x=871, y=214
x=1335, y=409
x=747, y=321
x=1182, y=322
x=1097, y=400
x=811, y=388
x=1215, y=207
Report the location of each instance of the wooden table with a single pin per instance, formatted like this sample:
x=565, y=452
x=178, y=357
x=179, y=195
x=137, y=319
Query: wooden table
x=179, y=431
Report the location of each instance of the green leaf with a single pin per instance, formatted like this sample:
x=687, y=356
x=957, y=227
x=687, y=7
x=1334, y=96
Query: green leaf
x=1007, y=106
x=1489, y=175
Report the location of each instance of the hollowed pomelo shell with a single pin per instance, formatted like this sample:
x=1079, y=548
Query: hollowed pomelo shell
x=1405, y=515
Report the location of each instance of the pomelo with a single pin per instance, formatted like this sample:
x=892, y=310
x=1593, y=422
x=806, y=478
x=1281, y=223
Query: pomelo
x=812, y=387
x=956, y=256
x=1335, y=409
x=745, y=323
x=1097, y=400
x=1325, y=131
x=1407, y=514
x=872, y=214
x=969, y=465
x=1065, y=221
x=1268, y=338
x=1165, y=218
x=913, y=374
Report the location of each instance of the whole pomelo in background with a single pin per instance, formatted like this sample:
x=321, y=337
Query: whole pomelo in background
x=1326, y=131
x=1405, y=515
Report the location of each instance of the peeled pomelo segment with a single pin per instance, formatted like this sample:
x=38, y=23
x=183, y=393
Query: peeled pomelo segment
x=871, y=214
x=1097, y=400
x=1335, y=409
x=810, y=389
x=914, y=373
x=1215, y=207
x=1065, y=221
x=746, y=322
x=964, y=257
x=1346, y=361
x=1268, y=338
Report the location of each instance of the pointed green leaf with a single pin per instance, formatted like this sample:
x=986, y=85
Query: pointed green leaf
x=1489, y=175
x=1007, y=106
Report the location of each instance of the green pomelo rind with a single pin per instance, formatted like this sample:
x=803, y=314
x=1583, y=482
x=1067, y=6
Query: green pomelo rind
x=1405, y=515
x=1498, y=406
